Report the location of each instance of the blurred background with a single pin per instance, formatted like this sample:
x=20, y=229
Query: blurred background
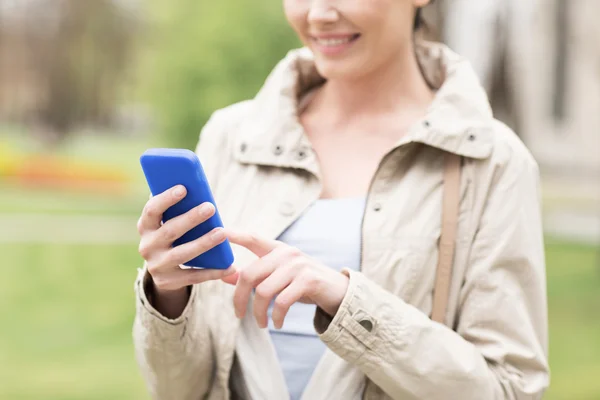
x=87, y=85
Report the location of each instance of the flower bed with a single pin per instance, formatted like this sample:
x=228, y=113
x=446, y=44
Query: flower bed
x=60, y=172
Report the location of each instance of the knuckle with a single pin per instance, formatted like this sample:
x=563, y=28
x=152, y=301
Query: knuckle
x=140, y=225
x=144, y=249
x=280, y=251
x=243, y=275
x=151, y=211
x=263, y=292
x=293, y=252
x=173, y=257
x=281, y=303
x=246, y=276
x=168, y=232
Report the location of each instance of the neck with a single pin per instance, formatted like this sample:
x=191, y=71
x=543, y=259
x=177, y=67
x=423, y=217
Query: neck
x=397, y=85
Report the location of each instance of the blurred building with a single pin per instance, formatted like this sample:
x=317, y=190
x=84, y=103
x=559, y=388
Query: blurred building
x=540, y=63
x=563, y=104
x=493, y=34
x=543, y=58
x=561, y=108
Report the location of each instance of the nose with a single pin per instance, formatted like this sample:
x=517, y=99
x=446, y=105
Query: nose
x=322, y=12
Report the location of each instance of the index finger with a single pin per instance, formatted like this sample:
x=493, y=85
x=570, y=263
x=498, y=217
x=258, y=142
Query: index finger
x=256, y=244
x=156, y=207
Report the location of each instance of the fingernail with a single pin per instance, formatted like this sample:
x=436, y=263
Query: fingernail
x=217, y=235
x=178, y=191
x=204, y=209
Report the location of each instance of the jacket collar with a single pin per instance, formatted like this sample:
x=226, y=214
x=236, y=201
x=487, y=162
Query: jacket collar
x=457, y=121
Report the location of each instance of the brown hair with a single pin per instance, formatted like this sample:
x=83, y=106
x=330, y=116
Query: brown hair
x=418, y=21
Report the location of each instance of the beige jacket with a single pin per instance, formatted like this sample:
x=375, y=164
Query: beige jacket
x=381, y=344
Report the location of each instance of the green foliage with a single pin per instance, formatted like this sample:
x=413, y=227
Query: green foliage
x=205, y=55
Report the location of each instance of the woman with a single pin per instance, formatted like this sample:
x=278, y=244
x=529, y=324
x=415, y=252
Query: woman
x=340, y=158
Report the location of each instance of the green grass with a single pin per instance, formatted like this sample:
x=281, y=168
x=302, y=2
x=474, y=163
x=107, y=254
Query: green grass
x=18, y=199
x=67, y=312
x=66, y=318
x=574, y=303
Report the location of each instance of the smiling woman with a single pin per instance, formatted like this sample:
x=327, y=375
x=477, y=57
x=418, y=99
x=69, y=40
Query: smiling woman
x=371, y=33
x=340, y=167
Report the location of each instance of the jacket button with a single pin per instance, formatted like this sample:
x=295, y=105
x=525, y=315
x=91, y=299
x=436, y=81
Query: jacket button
x=377, y=207
x=278, y=150
x=301, y=154
x=243, y=147
x=368, y=325
x=286, y=209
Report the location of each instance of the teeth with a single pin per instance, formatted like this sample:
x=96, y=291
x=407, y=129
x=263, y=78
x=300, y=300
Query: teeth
x=333, y=42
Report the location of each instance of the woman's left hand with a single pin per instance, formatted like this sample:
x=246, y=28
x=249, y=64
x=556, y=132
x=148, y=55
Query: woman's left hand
x=283, y=271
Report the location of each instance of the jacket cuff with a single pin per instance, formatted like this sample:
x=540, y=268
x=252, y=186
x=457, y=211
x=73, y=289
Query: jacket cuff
x=355, y=333
x=152, y=320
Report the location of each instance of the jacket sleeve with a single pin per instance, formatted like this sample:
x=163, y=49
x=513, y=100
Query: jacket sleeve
x=176, y=356
x=498, y=350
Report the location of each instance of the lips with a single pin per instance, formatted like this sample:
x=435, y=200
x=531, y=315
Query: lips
x=333, y=45
x=332, y=41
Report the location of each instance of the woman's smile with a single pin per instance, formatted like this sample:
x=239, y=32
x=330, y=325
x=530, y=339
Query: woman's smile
x=333, y=44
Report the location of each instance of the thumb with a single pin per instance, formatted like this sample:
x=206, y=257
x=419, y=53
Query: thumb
x=231, y=279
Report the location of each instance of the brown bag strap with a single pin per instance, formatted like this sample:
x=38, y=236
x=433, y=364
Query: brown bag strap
x=450, y=211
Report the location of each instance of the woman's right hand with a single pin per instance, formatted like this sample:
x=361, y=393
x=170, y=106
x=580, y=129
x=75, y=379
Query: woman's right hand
x=169, y=291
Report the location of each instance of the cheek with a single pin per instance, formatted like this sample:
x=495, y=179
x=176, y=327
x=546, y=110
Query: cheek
x=388, y=20
x=386, y=33
x=391, y=36
x=295, y=13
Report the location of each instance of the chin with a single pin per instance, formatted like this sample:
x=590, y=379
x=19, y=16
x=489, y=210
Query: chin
x=338, y=69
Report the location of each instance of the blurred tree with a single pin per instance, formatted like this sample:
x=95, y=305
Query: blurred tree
x=82, y=61
x=208, y=54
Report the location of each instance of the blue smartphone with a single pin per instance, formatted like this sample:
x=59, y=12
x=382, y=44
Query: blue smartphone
x=165, y=168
